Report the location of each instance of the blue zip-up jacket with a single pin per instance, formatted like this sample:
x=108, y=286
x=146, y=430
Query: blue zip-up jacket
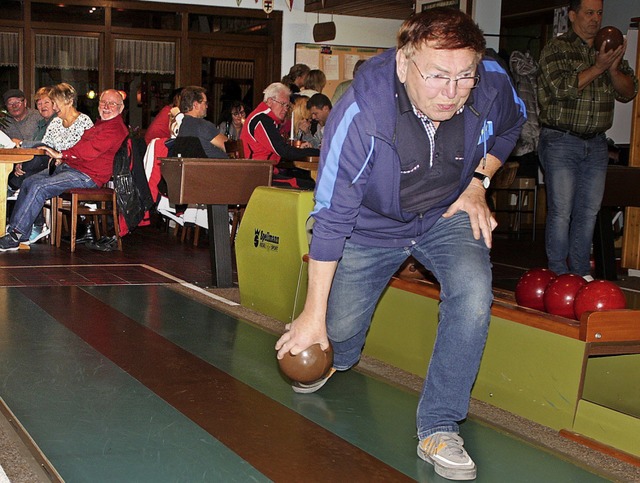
x=358, y=188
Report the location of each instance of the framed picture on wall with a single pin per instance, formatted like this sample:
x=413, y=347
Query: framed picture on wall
x=464, y=5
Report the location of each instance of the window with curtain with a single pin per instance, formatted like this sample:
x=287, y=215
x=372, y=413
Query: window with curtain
x=71, y=59
x=145, y=70
x=9, y=59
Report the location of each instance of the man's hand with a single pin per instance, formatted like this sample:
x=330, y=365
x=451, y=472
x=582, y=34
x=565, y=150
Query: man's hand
x=474, y=203
x=301, y=334
x=17, y=170
x=609, y=60
x=52, y=153
x=618, y=55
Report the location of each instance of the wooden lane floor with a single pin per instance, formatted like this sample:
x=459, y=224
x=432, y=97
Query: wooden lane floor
x=143, y=383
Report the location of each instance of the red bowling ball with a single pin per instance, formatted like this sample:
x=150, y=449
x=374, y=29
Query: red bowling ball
x=598, y=295
x=561, y=293
x=531, y=287
x=610, y=37
x=309, y=365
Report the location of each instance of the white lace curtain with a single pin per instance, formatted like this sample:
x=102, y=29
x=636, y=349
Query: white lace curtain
x=69, y=52
x=145, y=56
x=9, y=51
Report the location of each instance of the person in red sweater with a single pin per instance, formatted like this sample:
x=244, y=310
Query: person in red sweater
x=160, y=126
x=262, y=140
x=88, y=164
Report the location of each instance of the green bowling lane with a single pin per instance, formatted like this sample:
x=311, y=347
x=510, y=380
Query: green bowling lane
x=370, y=414
x=96, y=423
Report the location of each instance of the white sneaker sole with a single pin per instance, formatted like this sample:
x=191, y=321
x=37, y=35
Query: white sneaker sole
x=455, y=474
x=300, y=388
x=41, y=235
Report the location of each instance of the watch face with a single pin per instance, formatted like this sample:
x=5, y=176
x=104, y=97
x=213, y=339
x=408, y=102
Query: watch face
x=483, y=179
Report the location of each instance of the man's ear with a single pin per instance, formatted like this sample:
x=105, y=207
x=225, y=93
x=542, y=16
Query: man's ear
x=402, y=65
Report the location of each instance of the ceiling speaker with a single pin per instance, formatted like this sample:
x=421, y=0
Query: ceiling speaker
x=324, y=31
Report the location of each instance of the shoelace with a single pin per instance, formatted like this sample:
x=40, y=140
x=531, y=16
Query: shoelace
x=450, y=443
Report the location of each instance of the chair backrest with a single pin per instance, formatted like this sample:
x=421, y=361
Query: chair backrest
x=187, y=147
x=234, y=149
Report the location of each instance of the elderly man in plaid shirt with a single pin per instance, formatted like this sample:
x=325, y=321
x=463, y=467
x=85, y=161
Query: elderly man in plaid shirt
x=577, y=87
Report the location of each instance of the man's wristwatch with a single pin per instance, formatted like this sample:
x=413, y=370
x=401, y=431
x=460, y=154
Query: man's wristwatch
x=484, y=179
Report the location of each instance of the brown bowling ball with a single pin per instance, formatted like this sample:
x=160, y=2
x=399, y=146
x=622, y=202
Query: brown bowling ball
x=309, y=365
x=611, y=37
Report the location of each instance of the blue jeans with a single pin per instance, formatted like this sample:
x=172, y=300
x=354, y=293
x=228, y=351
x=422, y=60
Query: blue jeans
x=575, y=170
x=462, y=266
x=38, y=188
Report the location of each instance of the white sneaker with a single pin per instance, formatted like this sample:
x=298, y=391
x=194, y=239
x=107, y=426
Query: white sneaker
x=445, y=451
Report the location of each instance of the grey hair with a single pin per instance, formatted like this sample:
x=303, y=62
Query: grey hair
x=274, y=89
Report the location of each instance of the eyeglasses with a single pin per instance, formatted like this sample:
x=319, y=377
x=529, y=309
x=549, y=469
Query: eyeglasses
x=15, y=104
x=109, y=104
x=436, y=81
x=286, y=105
x=239, y=113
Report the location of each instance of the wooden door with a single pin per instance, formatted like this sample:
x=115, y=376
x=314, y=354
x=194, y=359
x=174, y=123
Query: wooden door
x=232, y=69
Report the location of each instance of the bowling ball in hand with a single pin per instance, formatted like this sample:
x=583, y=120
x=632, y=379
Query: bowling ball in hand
x=309, y=365
x=531, y=287
x=610, y=37
x=598, y=295
x=561, y=293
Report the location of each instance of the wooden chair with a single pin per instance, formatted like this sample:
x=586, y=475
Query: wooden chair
x=71, y=203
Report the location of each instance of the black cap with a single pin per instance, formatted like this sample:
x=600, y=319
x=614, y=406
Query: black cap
x=12, y=93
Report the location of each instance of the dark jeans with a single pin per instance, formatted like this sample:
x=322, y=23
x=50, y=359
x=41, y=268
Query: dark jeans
x=37, y=164
x=41, y=187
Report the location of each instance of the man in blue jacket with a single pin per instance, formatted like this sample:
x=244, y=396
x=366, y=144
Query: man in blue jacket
x=407, y=156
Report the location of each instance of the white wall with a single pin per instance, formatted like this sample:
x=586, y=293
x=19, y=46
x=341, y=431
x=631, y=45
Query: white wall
x=487, y=14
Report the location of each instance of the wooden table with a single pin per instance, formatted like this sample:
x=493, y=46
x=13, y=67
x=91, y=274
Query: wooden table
x=9, y=157
x=216, y=183
x=310, y=163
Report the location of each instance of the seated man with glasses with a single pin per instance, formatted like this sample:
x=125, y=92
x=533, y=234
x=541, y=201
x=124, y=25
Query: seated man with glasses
x=406, y=159
x=22, y=122
x=193, y=104
x=262, y=140
x=87, y=164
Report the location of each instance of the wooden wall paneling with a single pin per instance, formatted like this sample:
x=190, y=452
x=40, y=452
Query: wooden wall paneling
x=631, y=237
